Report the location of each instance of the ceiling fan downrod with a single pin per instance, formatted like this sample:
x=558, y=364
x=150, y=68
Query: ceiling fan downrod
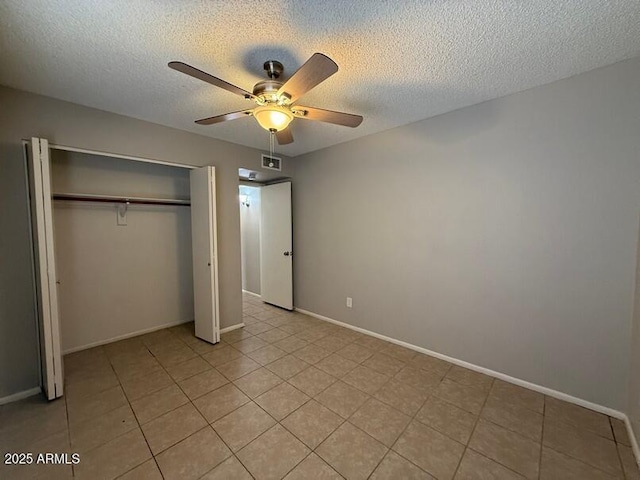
x=274, y=69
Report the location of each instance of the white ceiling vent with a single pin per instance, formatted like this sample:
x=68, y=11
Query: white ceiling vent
x=271, y=163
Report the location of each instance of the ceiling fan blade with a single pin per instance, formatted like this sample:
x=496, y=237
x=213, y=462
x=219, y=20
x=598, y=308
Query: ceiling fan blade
x=316, y=70
x=205, y=77
x=328, y=116
x=284, y=136
x=224, y=118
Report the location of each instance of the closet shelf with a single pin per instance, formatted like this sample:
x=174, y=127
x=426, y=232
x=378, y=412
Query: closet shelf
x=85, y=197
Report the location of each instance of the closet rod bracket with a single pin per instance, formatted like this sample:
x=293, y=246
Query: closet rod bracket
x=122, y=212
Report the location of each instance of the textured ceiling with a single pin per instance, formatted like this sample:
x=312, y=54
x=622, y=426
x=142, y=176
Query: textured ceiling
x=400, y=61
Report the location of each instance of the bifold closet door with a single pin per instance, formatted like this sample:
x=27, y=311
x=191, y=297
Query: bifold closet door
x=205, y=254
x=45, y=267
x=276, y=255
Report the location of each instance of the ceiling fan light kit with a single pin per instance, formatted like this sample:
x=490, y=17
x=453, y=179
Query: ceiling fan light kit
x=276, y=101
x=273, y=117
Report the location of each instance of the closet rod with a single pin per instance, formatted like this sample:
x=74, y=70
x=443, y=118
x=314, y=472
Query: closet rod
x=113, y=199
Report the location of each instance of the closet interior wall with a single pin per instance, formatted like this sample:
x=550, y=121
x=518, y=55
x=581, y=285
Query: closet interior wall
x=119, y=280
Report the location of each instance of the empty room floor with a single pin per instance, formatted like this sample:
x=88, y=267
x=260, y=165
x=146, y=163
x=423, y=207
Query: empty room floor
x=290, y=396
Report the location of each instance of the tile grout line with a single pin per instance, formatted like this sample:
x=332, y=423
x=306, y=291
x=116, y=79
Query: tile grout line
x=189, y=400
x=154, y=456
x=473, y=430
x=130, y=407
x=66, y=410
x=624, y=473
x=466, y=446
x=252, y=400
x=343, y=420
x=372, y=437
x=544, y=415
x=256, y=438
x=101, y=348
x=312, y=450
x=136, y=417
x=412, y=418
x=196, y=409
x=129, y=400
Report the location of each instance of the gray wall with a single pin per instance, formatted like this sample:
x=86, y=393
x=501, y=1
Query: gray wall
x=633, y=405
x=250, y=233
x=19, y=370
x=24, y=115
x=503, y=234
x=120, y=280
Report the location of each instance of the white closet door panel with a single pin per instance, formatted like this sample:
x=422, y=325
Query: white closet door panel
x=205, y=258
x=276, y=255
x=45, y=263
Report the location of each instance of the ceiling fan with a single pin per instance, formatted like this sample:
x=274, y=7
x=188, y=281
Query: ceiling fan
x=275, y=101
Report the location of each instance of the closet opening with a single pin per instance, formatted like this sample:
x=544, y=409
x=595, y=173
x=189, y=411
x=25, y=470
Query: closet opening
x=122, y=235
x=122, y=247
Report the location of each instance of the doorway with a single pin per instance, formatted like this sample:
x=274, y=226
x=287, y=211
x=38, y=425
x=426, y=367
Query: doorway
x=266, y=239
x=250, y=212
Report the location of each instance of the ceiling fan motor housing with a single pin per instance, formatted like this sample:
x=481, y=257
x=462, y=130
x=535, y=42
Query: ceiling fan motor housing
x=267, y=89
x=274, y=68
x=267, y=92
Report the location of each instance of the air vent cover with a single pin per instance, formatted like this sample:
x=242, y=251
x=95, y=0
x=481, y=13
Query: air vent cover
x=271, y=163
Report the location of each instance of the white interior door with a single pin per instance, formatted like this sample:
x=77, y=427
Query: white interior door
x=205, y=254
x=276, y=255
x=45, y=267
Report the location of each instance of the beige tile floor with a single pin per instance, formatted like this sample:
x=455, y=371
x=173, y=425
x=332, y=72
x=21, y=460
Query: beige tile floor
x=289, y=396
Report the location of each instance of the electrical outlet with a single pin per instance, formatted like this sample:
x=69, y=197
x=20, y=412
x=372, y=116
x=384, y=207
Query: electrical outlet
x=349, y=302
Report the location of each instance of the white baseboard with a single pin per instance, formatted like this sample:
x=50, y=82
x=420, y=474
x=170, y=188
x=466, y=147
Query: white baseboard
x=142, y=332
x=232, y=327
x=251, y=293
x=632, y=437
x=507, y=378
x=20, y=395
x=124, y=337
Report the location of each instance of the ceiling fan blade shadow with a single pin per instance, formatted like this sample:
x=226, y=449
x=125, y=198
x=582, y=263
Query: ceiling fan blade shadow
x=328, y=116
x=205, y=77
x=285, y=136
x=224, y=118
x=315, y=70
